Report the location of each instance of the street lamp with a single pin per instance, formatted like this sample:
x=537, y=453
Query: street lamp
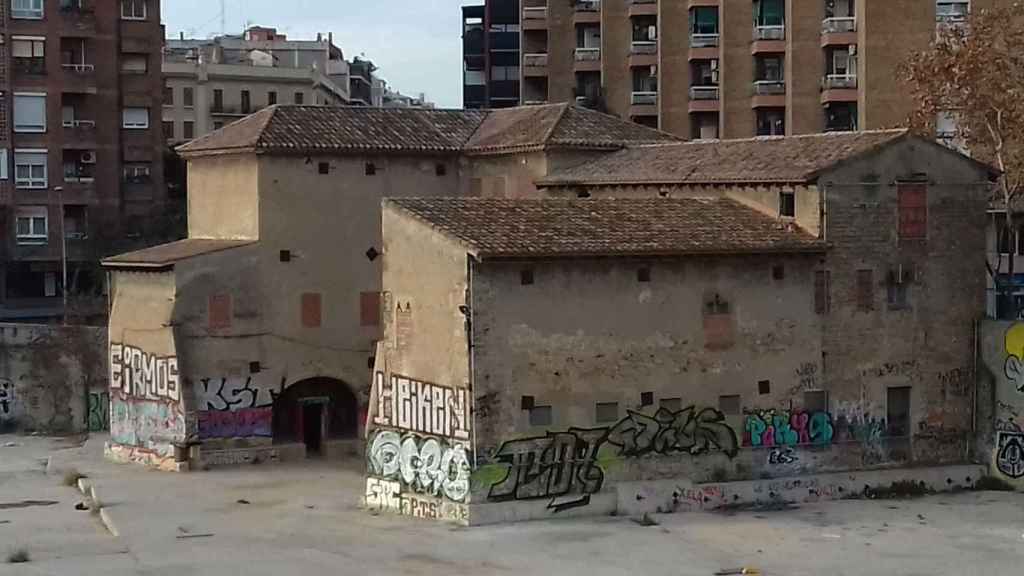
x=63, y=255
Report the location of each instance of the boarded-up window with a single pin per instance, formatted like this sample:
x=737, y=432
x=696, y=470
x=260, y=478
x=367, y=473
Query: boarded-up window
x=219, y=311
x=312, y=310
x=865, y=290
x=913, y=209
x=822, y=295
x=369, y=309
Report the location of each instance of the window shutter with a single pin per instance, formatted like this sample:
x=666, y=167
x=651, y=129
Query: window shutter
x=913, y=210
x=312, y=311
x=369, y=309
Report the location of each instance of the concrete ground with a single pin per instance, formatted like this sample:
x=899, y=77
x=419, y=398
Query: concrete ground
x=283, y=519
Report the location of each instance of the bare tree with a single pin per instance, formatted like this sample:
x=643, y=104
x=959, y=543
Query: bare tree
x=974, y=74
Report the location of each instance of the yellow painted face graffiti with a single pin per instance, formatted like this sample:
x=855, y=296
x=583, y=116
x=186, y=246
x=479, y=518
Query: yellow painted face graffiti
x=1015, y=340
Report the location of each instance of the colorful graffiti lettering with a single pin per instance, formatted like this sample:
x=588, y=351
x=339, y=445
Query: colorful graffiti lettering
x=243, y=423
x=99, y=411
x=416, y=406
x=386, y=495
x=781, y=456
x=1010, y=454
x=146, y=424
x=786, y=428
x=424, y=465
x=234, y=408
x=687, y=430
x=1014, y=368
x=142, y=375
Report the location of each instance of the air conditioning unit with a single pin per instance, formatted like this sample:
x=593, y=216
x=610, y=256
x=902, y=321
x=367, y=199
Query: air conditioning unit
x=852, y=48
x=88, y=157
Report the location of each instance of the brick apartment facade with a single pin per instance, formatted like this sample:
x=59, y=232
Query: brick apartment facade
x=80, y=138
x=701, y=70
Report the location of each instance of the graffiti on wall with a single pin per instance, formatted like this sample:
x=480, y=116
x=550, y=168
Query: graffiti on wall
x=234, y=408
x=423, y=465
x=787, y=428
x=142, y=423
x=1014, y=367
x=782, y=456
x=139, y=374
x=414, y=406
x=99, y=411
x=6, y=399
x=564, y=467
x=1010, y=454
x=386, y=496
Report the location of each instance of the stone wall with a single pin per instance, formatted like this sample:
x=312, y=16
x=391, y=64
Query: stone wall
x=1000, y=422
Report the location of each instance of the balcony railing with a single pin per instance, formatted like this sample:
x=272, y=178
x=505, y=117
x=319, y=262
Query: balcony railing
x=769, y=87
x=535, y=60
x=770, y=32
x=588, y=54
x=30, y=65
x=645, y=98
x=840, y=81
x=644, y=47
x=703, y=40
x=79, y=68
x=535, y=13
x=703, y=92
x=839, y=24
x=588, y=5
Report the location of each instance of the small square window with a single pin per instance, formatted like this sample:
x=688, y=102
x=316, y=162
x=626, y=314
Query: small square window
x=440, y=169
x=285, y=255
x=540, y=416
x=764, y=387
x=643, y=274
x=647, y=398
x=371, y=169
x=671, y=404
x=526, y=277
x=787, y=204
x=607, y=412
x=254, y=367
x=323, y=168
x=778, y=272
x=730, y=405
x=526, y=403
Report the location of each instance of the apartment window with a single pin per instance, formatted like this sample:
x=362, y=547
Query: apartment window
x=841, y=117
x=312, y=310
x=29, y=112
x=644, y=80
x=135, y=118
x=76, y=222
x=29, y=9
x=588, y=37
x=187, y=96
x=79, y=165
x=168, y=129
x=771, y=122
x=246, y=102
x=606, y=412
x=218, y=100
x=865, y=290
x=219, y=311
x=189, y=129
x=897, y=411
x=704, y=20
x=133, y=9
x=300, y=98
x=134, y=64
x=540, y=416
x=913, y=210
x=822, y=291
x=3, y=164
x=168, y=96
x=271, y=98
x=787, y=204
x=31, y=223
x=645, y=29
x=505, y=73
x=769, y=13
x=770, y=68
x=137, y=172
x=29, y=54
x=30, y=168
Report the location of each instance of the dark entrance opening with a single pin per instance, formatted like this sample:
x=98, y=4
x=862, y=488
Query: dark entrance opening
x=315, y=411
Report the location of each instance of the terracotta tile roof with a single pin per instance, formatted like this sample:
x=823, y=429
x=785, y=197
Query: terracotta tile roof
x=548, y=228
x=794, y=159
x=165, y=255
x=301, y=129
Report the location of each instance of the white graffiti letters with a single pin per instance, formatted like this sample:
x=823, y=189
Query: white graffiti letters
x=136, y=373
x=426, y=466
x=416, y=406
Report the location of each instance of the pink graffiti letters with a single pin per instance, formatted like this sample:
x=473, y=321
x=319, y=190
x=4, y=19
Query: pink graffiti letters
x=239, y=424
x=136, y=373
x=786, y=428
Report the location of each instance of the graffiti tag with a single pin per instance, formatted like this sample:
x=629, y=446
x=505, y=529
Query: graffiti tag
x=782, y=456
x=142, y=375
x=415, y=406
x=424, y=465
x=787, y=428
x=99, y=411
x=1010, y=454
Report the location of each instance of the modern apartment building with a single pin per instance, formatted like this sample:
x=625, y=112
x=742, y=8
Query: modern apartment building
x=491, y=59
x=211, y=83
x=81, y=164
x=707, y=69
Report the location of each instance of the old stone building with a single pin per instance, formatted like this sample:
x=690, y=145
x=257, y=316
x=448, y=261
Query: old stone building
x=254, y=338
x=675, y=316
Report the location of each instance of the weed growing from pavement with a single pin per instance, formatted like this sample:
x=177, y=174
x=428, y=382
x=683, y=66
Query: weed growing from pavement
x=19, y=556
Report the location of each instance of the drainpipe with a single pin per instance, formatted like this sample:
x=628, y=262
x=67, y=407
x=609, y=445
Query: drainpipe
x=471, y=348
x=974, y=399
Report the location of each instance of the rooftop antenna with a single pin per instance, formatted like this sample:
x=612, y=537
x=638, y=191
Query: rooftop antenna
x=223, y=18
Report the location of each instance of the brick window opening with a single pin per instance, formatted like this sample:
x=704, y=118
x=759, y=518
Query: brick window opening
x=816, y=401
x=606, y=412
x=865, y=290
x=323, y=168
x=312, y=310
x=219, y=311
x=671, y=404
x=897, y=411
x=541, y=416
x=787, y=204
x=369, y=309
x=913, y=210
x=284, y=255
x=371, y=169
x=527, y=403
x=896, y=296
x=778, y=272
x=730, y=405
x=643, y=275
x=583, y=194
x=440, y=169
x=764, y=387
x=822, y=292
x=254, y=367
x=647, y=398
x=526, y=277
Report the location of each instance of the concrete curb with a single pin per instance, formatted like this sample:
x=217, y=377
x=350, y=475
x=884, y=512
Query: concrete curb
x=89, y=491
x=108, y=522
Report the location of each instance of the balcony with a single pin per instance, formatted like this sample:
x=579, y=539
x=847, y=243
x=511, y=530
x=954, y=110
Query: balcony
x=769, y=94
x=643, y=53
x=588, y=60
x=839, y=31
x=704, y=99
x=79, y=78
x=643, y=7
x=232, y=110
x=840, y=81
x=839, y=88
x=644, y=99
x=535, y=65
x=704, y=40
x=78, y=16
x=79, y=133
x=587, y=12
x=535, y=18
x=775, y=32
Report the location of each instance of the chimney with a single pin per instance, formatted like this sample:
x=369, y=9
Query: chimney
x=330, y=38
x=182, y=34
x=319, y=37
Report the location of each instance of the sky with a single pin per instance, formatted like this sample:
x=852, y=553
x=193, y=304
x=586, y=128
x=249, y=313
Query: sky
x=416, y=44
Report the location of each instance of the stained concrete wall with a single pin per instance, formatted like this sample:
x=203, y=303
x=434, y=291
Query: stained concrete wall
x=223, y=200
x=1000, y=421
x=53, y=379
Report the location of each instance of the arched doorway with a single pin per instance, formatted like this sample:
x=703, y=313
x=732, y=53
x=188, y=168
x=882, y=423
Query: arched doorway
x=314, y=411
